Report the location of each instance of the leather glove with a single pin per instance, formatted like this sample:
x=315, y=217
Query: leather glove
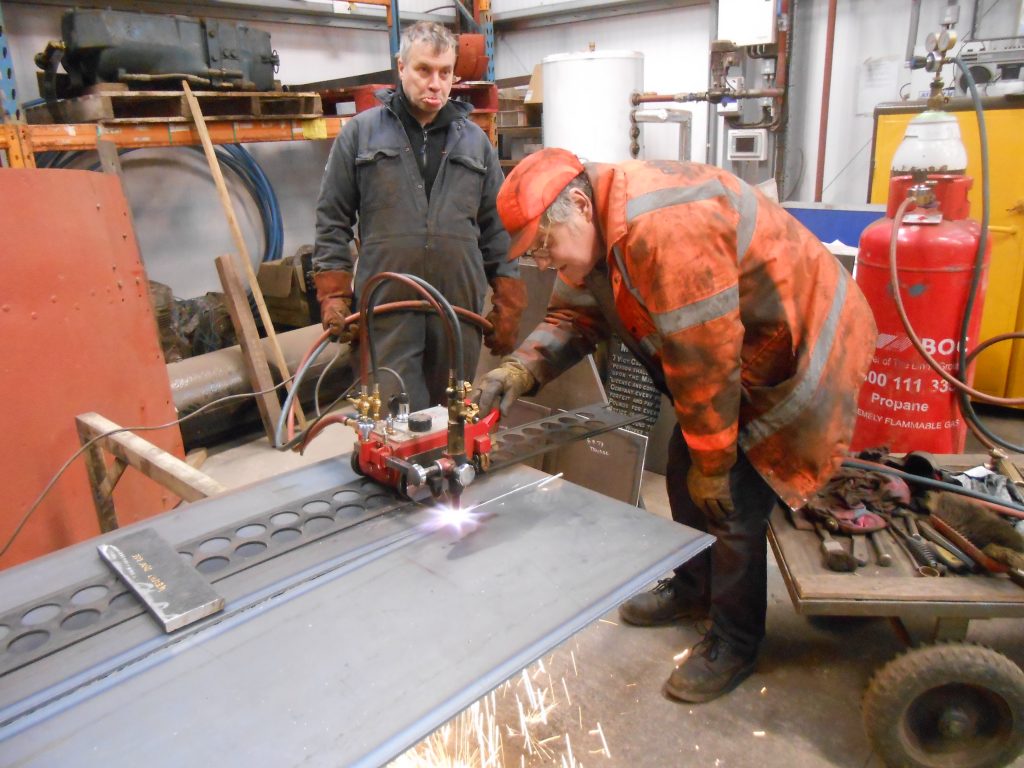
x=509, y=301
x=710, y=492
x=502, y=386
x=334, y=292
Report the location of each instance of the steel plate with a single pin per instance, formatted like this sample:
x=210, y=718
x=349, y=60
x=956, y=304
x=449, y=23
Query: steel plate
x=516, y=444
x=80, y=610
x=343, y=652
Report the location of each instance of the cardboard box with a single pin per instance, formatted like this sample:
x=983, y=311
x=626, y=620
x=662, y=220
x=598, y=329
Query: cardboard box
x=534, y=101
x=516, y=142
x=535, y=91
x=512, y=118
x=284, y=291
x=521, y=146
x=511, y=99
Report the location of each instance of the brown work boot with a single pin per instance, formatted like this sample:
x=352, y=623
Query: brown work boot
x=712, y=668
x=664, y=604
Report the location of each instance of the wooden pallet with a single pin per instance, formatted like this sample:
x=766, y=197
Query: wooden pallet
x=482, y=95
x=170, y=106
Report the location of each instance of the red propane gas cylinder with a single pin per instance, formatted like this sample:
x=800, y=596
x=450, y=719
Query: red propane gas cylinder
x=904, y=404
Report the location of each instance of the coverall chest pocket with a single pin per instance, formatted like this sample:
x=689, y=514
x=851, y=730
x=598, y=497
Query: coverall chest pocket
x=465, y=179
x=381, y=178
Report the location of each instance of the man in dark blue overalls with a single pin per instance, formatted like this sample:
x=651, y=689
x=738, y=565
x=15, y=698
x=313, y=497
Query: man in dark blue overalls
x=421, y=180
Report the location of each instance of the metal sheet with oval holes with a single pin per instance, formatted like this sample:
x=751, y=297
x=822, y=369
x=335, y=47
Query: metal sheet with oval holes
x=357, y=646
x=227, y=550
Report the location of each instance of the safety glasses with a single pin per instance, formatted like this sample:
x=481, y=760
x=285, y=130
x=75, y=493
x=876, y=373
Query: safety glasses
x=541, y=253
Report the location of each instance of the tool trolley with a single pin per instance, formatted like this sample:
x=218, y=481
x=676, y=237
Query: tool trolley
x=945, y=702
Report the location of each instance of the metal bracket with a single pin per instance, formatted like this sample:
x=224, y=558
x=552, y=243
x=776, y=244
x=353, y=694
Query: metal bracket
x=918, y=217
x=950, y=629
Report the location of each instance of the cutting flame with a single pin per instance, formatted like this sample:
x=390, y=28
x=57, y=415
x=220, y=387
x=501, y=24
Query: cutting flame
x=463, y=520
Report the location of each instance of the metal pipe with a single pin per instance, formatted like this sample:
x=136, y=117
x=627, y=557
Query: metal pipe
x=711, y=138
x=198, y=380
x=394, y=33
x=712, y=96
x=787, y=11
x=826, y=92
x=682, y=117
x=202, y=379
x=784, y=44
x=915, y=21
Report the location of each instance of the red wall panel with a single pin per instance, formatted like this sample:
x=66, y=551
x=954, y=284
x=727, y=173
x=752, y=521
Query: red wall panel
x=77, y=334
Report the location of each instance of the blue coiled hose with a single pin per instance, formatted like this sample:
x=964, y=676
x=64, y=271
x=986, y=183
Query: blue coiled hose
x=232, y=156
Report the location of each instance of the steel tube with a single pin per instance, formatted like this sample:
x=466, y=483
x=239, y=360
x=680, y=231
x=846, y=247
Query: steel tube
x=826, y=92
x=759, y=93
x=915, y=20
x=785, y=43
x=199, y=380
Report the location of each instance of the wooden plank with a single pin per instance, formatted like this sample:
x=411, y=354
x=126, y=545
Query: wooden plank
x=268, y=105
x=109, y=160
x=179, y=121
x=911, y=589
x=249, y=340
x=114, y=472
x=141, y=106
x=135, y=105
x=155, y=463
x=96, y=469
x=85, y=109
x=104, y=88
x=197, y=457
x=242, y=253
x=214, y=105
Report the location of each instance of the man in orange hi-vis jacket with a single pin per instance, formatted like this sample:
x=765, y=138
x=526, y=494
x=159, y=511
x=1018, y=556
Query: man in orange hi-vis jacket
x=742, y=317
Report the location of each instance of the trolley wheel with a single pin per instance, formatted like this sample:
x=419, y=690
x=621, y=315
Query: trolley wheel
x=355, y=463
x=952, y=705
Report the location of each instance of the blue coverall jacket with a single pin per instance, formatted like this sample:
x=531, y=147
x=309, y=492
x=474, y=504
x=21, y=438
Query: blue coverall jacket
x=454, y=240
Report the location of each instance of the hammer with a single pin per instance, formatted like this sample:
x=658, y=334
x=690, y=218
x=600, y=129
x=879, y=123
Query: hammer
x=836, y=556
x=882, y=555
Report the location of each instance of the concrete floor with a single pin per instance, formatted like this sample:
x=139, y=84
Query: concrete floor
x=602, y=700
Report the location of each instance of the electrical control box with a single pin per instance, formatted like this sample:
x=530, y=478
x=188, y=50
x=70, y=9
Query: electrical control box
x=748, y=144
x=747, y=22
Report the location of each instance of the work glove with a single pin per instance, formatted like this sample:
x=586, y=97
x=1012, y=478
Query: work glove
x=509, y=301
x=334, y=292
x=711, y=493
x=502, y=386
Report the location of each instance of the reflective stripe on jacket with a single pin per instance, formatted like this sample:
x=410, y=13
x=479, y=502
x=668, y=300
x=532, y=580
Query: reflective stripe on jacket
x=763, y=338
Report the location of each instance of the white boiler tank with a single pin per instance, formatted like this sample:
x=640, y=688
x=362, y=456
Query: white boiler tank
x=587, y=103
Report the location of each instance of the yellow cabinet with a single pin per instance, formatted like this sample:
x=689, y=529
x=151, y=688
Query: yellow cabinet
x=1000, y=369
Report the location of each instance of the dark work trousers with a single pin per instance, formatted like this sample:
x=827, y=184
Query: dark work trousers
x=414, y=345
x=731, y=576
